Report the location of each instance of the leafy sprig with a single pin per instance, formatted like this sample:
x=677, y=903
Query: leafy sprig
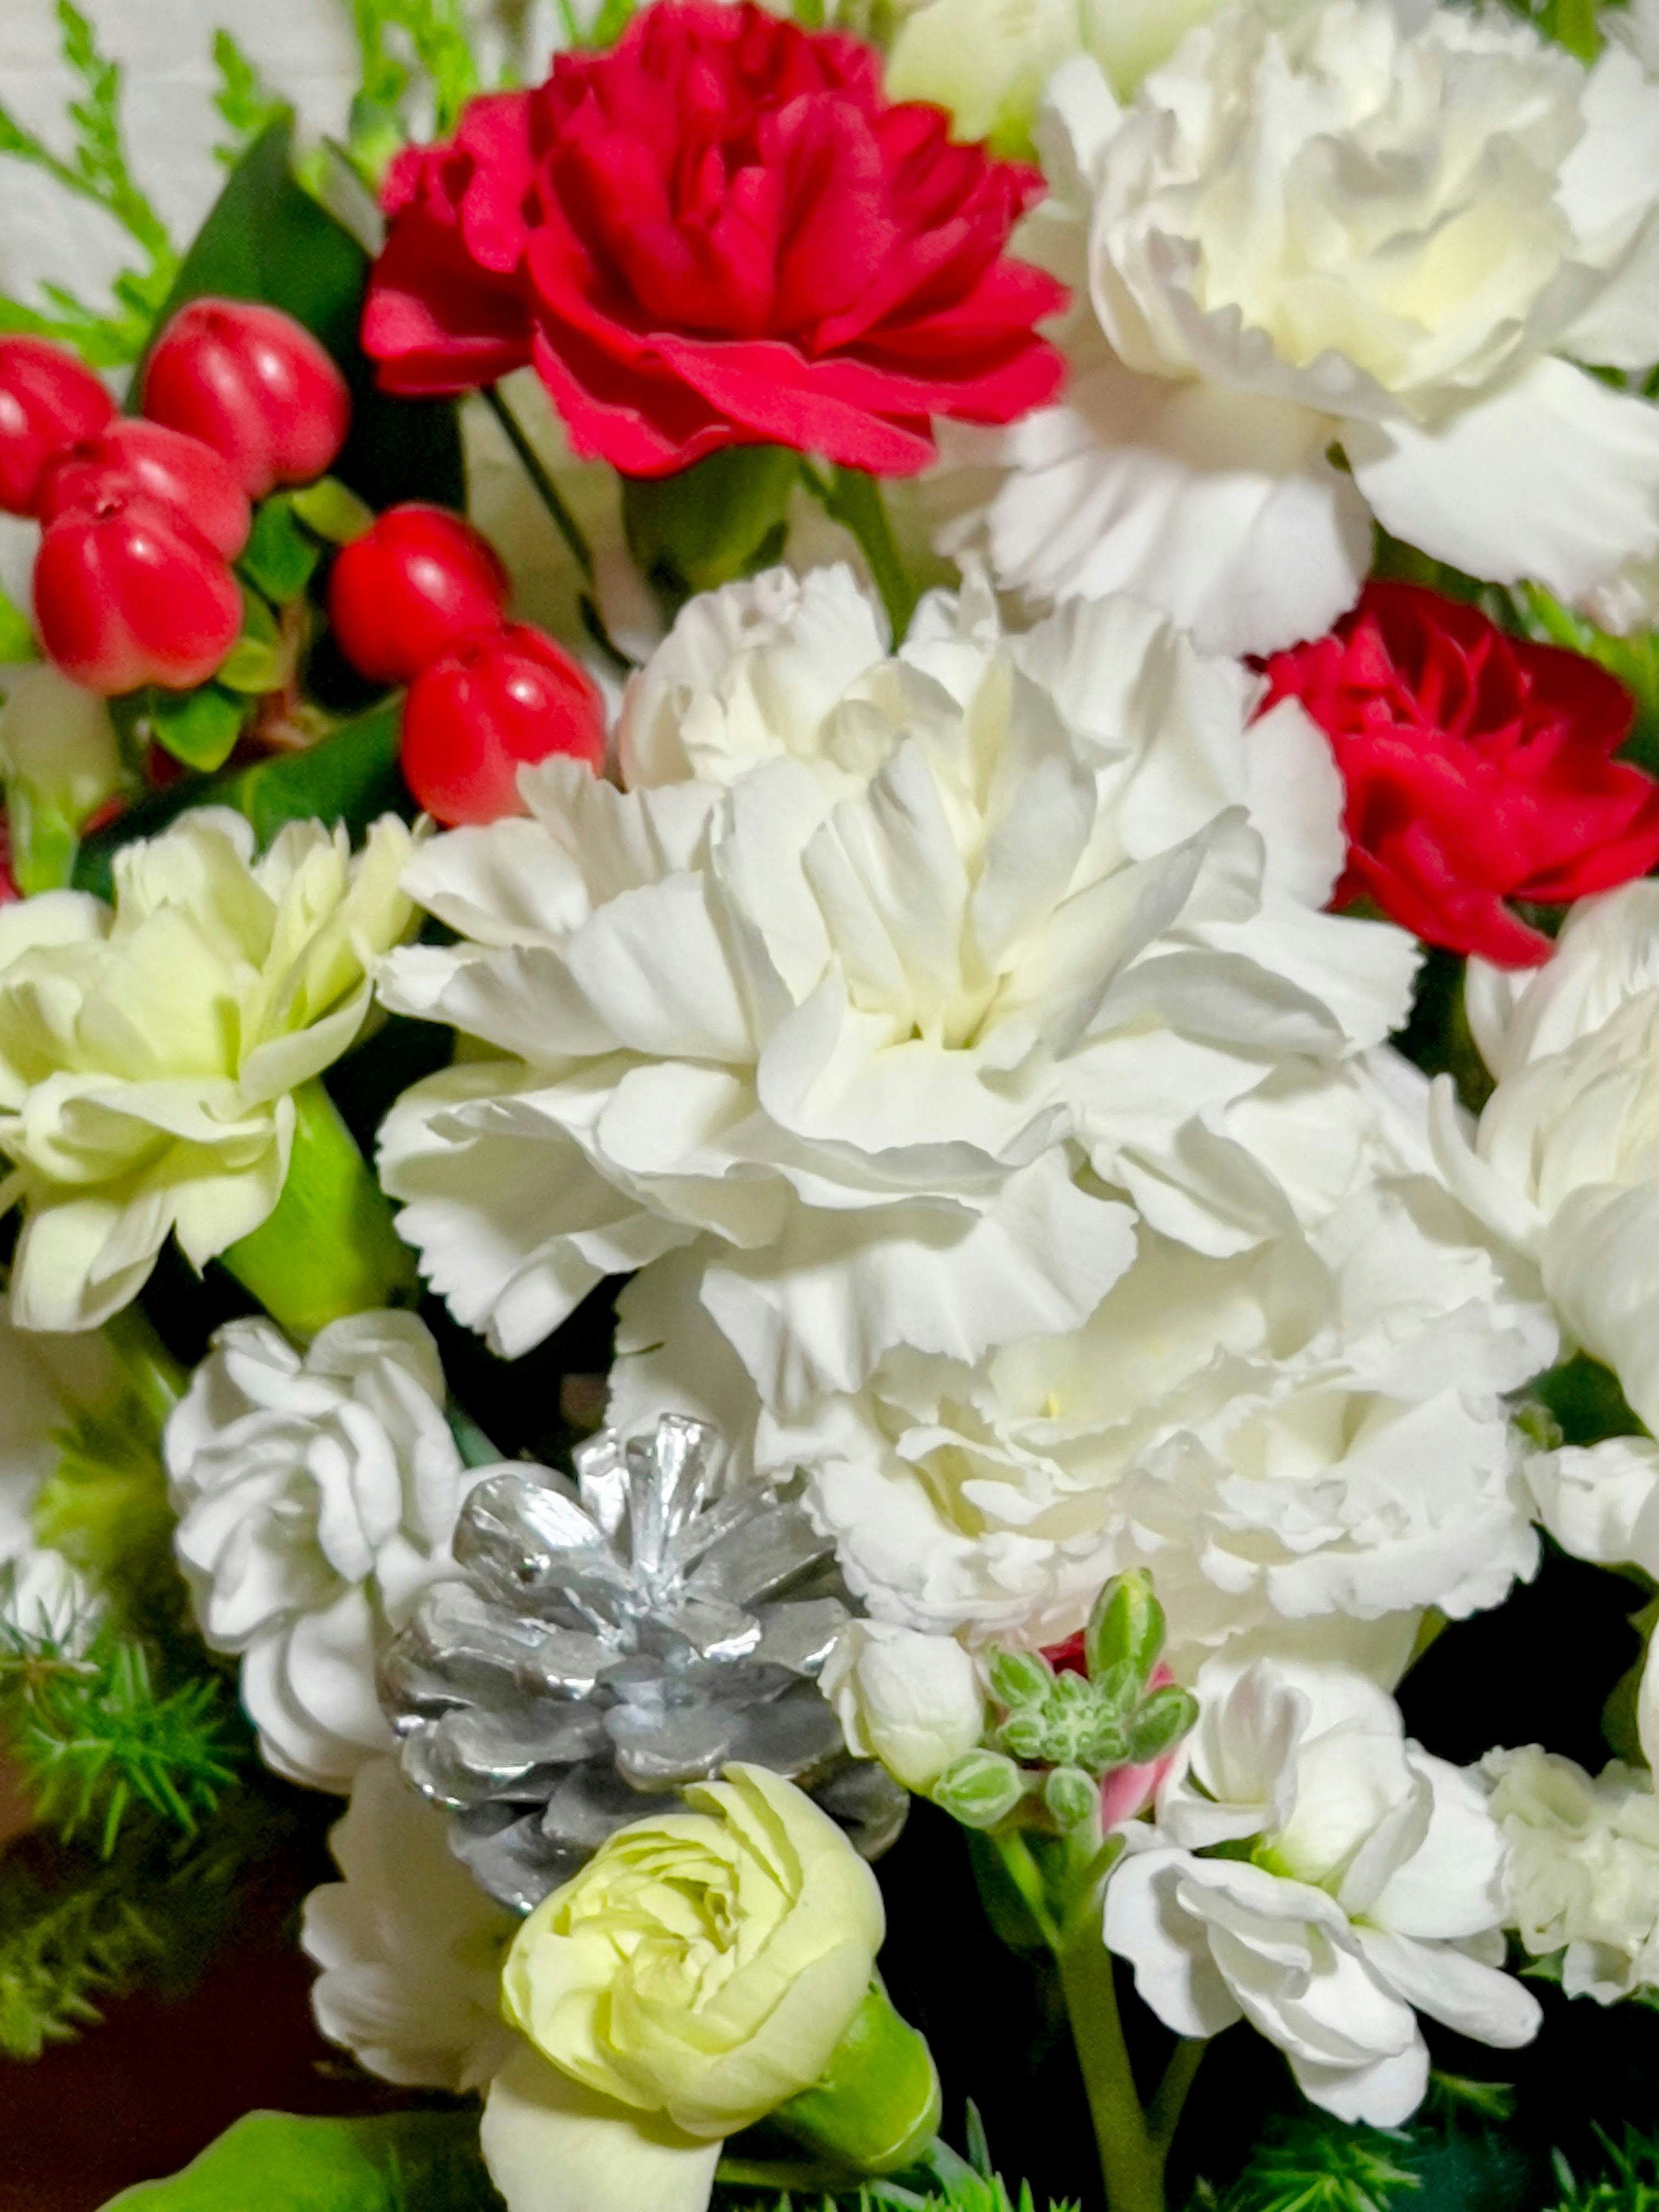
x=244, y=100
x=96, y=170
x=1309, y=2163
x=1631, y=2185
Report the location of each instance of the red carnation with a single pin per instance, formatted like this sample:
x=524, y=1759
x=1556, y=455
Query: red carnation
x=720, y=233
x=1479, y=768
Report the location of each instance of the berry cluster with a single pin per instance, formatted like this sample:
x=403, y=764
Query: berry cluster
x=421, y=599
x=142, y=517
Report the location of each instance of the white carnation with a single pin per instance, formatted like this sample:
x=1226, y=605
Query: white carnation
x=1582, y=1871
x=1565, y=1160
x=316, y=1497
x=908, y=1005
x=1362, y=1882
x=1310, y=1431
x=148, y=1053
x=1378, y=225
x=410, y=1947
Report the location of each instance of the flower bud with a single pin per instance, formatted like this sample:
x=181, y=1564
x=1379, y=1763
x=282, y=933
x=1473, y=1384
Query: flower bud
x=129, y=594
x=497, y=702
x=407, y=590
x=48, y=403
x=910, y=1700
x=158, y=464
x=980, y=1789
x=255, y=385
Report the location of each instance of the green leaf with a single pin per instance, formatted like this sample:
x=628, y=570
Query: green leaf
x=198, y=727
x=267, y=240
x=280, y=557
x=352, y=777
x=398, y=2162
x=44, y=839
x=332, y=511
x=255, y=662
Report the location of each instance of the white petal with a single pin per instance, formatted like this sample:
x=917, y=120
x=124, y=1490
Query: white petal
x=1602, y=1268
x=1167, y=1946
x=1554, y=477
x=1216, y=506
x=1602, y=1502
x=552, y=2146
x=1438, y=1978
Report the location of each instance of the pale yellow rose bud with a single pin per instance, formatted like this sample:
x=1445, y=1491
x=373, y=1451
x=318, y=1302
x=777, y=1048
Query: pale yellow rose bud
x=703, y=1965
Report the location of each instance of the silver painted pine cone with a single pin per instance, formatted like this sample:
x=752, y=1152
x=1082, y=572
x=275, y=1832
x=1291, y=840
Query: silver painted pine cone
x=613, y=1640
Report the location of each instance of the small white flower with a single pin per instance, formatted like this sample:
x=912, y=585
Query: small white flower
x=1583, y=1873
x=1380, y=227
x=411, y=1948
x=316, y=1497
x=937, y=949
x=148, y=1053
x=912, y=1701
x=1565, y=1163
x=1363, y=1883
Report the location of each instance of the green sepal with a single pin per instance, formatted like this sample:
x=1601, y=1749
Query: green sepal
x=350, y=776
x=876, y=2107
x=280, y=557
x=980, y=1789
x=1126, y=1631
x=721, y=519
x=198, y=727
x=332, y=511
x=254, y=662
x=330, y=1248
x=285, y=2164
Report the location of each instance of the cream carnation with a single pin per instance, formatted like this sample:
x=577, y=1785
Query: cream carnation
x=409, y=1948
x=148, y=1053
x=908, y=1005
x=1356, y=1881
x=1379, y=226
x=1582, y=1871
x=317, y=1495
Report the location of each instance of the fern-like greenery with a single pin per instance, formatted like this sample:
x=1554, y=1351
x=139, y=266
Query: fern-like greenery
x=244, y=100
x=96, y=169
x=1310, y=2164
x=1631, y=2185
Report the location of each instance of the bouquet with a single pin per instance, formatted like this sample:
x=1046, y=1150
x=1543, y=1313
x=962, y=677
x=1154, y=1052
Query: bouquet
x=830, y=1106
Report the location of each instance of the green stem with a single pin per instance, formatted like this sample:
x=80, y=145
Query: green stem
x=546, y=491
x=330, y=1248
x=1169, y=2098
x=853, y=499
x=1131, y=2160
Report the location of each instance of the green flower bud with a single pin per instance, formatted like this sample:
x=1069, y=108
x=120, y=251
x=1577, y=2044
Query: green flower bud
x=980, y=1789
x=1072, y=1796
x=1160, y=1723
x=1025, y=1735
x=1126, y=1628
x=1020, y=1678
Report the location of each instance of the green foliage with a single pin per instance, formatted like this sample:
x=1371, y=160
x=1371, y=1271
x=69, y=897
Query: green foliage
x=93, y=1737
x=411, y=50
x=96, y=170
x=247, y=103
x=61, y=1949
x=1310, y=2163
x=395, y=2162
x=1632, y=2185
x=17, y=632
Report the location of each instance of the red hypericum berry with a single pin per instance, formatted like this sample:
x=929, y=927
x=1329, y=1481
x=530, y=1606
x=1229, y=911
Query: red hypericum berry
x=158, y=464
x=48, y=403
x=131, y=594
x=412, y=586
x=496, y=702
x=255, y=385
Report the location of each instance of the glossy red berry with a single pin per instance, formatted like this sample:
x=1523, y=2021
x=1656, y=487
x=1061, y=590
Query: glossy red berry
x=48, y=403
x=155, y=463
x=407, y=590
x=494, y=704
x=129, y=593
x=255, y=385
